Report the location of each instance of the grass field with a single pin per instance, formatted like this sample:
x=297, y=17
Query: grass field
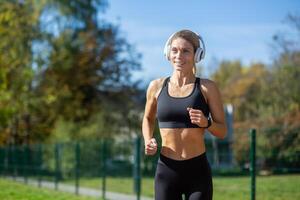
x=284, y=187
x=10, y=190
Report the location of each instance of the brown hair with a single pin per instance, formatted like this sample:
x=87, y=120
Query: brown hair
x=189, y=36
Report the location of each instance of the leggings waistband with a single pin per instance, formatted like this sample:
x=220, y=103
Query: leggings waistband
x=195, y=161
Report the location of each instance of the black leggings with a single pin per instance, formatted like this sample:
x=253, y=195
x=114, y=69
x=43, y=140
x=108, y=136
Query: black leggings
x=191, y=178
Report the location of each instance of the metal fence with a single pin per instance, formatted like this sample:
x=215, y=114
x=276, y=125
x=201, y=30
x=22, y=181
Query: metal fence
x=72, y=162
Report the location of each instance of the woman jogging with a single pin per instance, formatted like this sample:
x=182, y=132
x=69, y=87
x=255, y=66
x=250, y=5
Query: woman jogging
x=185, y=106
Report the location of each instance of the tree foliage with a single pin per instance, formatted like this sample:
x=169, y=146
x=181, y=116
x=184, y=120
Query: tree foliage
x=62, y=65
x=266, y=98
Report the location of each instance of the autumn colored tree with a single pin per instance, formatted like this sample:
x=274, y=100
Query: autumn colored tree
x=63, y=66
x=18, y=29
x=266, y=98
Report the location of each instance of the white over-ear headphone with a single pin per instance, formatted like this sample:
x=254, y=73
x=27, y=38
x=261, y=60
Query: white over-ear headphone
x=199, y=54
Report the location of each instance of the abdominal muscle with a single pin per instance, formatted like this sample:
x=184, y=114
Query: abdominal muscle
x=182, y=143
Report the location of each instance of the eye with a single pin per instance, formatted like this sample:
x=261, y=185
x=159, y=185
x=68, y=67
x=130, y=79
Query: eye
x=174, y=50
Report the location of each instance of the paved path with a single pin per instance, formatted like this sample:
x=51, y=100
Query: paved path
x=82, y=190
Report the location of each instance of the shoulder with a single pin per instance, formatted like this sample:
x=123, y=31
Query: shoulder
x=207, y=84
x=209, y=88
x=155, y=86
x=156, y=83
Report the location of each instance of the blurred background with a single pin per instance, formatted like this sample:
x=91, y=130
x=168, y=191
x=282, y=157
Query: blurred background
x=73, y=77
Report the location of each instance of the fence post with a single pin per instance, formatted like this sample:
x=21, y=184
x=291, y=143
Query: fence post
x=2, y=164
x=77, y=165
x=253, y=162
x=14, y=165
x=26, y=163
x=57, y=165
x=40, y=164
x=137, y=167
x=103, y=167
x=3, y=161
x=6, y=160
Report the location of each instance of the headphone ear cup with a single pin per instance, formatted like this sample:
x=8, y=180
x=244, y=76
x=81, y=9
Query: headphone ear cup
x=198, y=55
x=166, y=51
x=167, y=54
x=168, y=47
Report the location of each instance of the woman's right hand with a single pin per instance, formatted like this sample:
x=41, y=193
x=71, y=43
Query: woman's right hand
x=150, y=147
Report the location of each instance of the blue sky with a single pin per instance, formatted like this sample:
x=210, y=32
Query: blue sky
x=231, y=29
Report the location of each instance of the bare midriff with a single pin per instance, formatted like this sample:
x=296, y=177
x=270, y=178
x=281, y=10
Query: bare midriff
x=182, y=143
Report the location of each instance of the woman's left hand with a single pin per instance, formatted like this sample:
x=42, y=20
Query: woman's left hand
x=197, y=117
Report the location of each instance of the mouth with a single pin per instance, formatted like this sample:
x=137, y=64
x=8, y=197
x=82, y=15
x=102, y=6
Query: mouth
x=179, y=63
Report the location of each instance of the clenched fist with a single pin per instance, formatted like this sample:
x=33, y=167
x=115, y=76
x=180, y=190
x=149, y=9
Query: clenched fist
x=197, y=117
x=150, y=147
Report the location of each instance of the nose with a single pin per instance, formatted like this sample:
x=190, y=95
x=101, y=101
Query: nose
x=179, y=54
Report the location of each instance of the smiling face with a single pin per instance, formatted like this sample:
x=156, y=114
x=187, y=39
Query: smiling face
x=182, y=55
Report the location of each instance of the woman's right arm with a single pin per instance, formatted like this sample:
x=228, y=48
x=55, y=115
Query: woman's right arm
x=149, y=118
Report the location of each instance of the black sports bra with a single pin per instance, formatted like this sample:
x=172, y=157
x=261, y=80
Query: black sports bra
x=172, y=111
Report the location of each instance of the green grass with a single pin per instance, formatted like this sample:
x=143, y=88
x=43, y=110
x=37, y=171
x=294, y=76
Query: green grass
x=10, y=190
x=282, y=187
x=285, y=187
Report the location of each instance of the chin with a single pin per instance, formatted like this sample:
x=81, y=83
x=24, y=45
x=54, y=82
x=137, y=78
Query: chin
x=178, y=68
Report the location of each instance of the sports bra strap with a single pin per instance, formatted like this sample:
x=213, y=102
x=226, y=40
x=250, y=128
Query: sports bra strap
x=197, y=82
x=166, y=81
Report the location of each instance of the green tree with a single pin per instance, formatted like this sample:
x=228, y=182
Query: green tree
x=88, y=71
x=267, y=98
x=18, y=29
x=64, y=66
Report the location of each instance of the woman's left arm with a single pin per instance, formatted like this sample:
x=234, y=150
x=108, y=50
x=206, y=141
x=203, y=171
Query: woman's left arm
x=218, y=126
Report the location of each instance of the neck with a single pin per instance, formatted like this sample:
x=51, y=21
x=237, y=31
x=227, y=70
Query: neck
x=180, y=78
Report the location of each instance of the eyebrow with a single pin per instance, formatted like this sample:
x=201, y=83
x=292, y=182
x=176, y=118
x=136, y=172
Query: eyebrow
x=186, y=48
